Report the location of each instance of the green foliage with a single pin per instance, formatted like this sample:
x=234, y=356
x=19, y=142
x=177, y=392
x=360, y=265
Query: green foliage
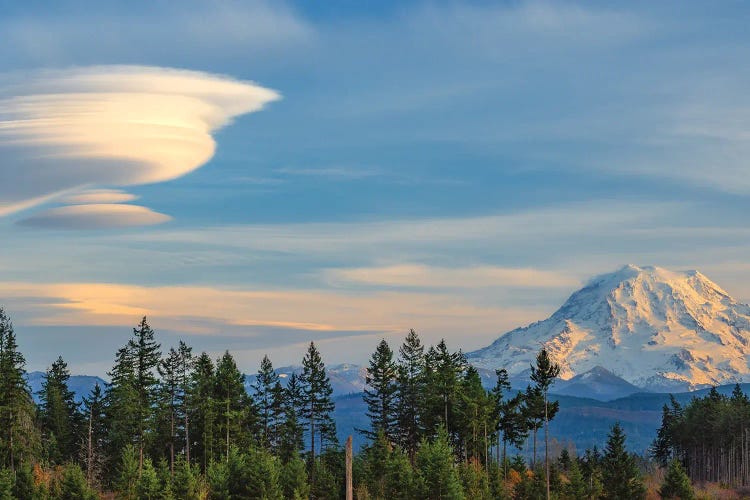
x=411, y=383
x=19, y=437
x=293, y=479
x=381, y=394
x=435, y=466
x=263, y=394
x=443, y=371
x=432, y=427
x=73, y=485
x=148, y=485
x=127, y=483
x=234, y=411
x=475, y=481
x=217, y=475
x=6, y=484
x=24, y=486
x=708, y=430
x=576, y=487
x=676, y=483
x=317, y=404
x=325, y=485
x=186, y=483
x=290, y=428
x=621, y=478
x=203, y=410
x=59, y=416
x=532, y=486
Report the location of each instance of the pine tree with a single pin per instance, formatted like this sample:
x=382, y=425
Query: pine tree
x=6, y=484
x=232, y=404
x=120, y=405
x=381, y=394
x=73, y=484
x=533, y=412
x=146, y=357
x=502, y=386
x=148, y=486
x=676, y=483
x=203, y=409
x=474, y=408
x=663, y=447
x=621, y=478
x=443, y=372
x=19, y=438
x=475, y=481
x=293, y=479
x=24, y=486
x=291, y=431
x=411, y=366
x=543, y=374
x=185, y=368
x=576, y=487
x=217, y=475
x=512, y=425
x=400, y=481
x=168, y=391
x=128, y=474
x=263, y=394
x=59, y=415
x=318, y=405
x=438, y=476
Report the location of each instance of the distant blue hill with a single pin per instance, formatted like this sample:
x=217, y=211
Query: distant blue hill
x=582, y=422
x=81, y=385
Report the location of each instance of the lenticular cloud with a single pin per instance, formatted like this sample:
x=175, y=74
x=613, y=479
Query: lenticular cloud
x=64, y=131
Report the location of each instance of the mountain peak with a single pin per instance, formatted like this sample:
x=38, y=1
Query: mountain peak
x=655, y=328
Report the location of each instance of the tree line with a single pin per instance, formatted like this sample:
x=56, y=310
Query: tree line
x=709, y=437
x=173, y=424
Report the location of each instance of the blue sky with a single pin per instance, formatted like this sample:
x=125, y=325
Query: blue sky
x=455, y=167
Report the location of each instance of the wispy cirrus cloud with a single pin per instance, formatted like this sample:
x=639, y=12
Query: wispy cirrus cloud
x=99, y=196
x=95, y=216
x=436, y=277
x=67, y=130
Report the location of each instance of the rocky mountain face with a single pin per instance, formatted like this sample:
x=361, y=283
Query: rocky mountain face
x=656, y=329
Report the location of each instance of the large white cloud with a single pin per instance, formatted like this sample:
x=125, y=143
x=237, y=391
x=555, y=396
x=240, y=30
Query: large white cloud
x=66, y=130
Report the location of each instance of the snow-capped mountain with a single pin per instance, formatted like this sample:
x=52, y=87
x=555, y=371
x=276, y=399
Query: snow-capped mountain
x=346, y=378
x=659, y=330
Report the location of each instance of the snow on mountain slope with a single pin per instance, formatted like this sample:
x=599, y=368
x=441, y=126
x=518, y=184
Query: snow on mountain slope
x=346, y=378
x=654, y=328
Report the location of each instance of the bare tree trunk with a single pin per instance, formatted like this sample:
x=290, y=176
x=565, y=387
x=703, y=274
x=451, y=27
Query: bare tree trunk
x=90, y=449
x=227, y=430
x=187, y=438
x=349, y=482
x=10, y=442
x=171, y=445
x=546, y=444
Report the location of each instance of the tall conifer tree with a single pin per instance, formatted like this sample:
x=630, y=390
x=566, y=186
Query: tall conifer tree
x=621, y=479
x=318, y=404
x=411, y=393
x=59, y=414
x=263, y=395
x=19, y=439
x=146, y=357
x=381, y=394
x=543, y=374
